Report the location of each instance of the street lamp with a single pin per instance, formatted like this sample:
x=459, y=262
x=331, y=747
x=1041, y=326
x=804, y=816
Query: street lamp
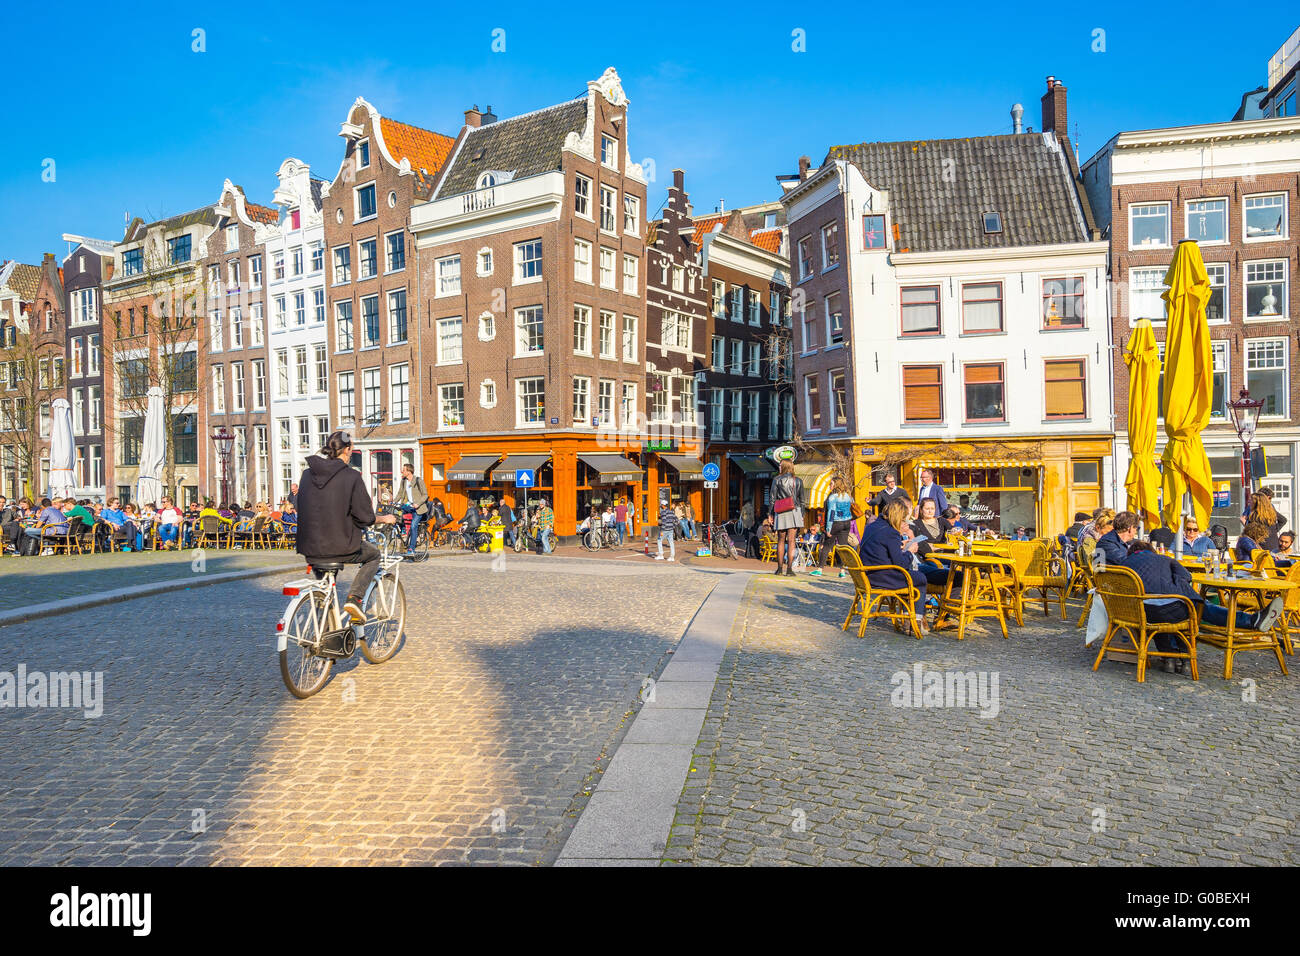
x=1245, y=418
x=224, y=439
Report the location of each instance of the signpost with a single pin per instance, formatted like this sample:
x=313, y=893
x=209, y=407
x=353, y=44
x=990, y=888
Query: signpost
x=711, y=473
x=525, y=479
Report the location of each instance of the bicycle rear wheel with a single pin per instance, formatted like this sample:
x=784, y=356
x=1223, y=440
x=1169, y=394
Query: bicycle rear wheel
x=385, y=607
x=420, y=549
x=591, y=540
x=303, y=670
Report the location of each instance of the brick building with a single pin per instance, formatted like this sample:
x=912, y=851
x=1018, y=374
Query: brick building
x=87, y=265
x=530, y=257
x=31, y=372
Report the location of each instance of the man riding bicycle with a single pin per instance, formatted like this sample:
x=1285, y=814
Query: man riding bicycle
x=333, y=511
x=412, y=499
x=471, y=523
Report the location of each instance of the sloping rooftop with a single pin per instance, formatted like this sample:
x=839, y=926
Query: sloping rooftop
x=522, y=146
x=706, y=224
x=940, y=189
x=766, y=239
x=424, y=149
x=24, y=280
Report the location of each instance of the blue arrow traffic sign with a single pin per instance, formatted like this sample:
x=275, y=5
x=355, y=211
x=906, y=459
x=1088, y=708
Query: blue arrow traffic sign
x=523, y=478
x=712, y=471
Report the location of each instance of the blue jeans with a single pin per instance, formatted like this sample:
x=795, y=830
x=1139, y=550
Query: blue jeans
x=167, y=532
x=689, y=527
x=1213, y=614
x=416, y=518
x=672, y=547
x=546, y=541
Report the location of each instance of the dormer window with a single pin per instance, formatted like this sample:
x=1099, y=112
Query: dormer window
x=363, y=154
x=486, y=180
x=992, y=223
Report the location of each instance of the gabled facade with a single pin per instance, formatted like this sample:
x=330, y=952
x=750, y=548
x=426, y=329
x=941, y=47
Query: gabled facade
x=928, y=278
x=531, y=255
x=372, y=292
x=23, y=342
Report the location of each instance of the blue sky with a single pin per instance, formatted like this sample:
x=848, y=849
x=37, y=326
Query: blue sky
x=136, y=122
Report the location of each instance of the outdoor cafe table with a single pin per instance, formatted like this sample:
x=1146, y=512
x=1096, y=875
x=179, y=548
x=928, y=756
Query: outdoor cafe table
x=979, y=596
x=1229, y=637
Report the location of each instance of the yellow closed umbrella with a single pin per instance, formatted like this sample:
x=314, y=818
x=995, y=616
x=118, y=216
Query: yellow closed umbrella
x=1143, y=483
x=1189, y=386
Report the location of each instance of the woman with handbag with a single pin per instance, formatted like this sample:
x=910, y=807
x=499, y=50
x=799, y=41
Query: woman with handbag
x=787, y=505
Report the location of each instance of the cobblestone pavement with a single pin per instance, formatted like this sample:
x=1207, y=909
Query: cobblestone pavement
x=804, y=760
x=25, y=581
x=474, y=744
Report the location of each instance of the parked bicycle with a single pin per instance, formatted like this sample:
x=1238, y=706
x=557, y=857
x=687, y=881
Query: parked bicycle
x=720, y=542
x=605, y=536
x=314, y=632
x=526, y=539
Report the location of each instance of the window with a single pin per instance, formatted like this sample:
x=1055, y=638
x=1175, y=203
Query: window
x=605, y=401
x=77, y=350
x=737, y=404
x=366, y=202
x=396, y=243
x=133, y=262
x=367, y=264
x=1145, y=288
x=95, y=352
x=532, y=401
x=218, y=389
x=1219, y=397
x=343, y=325
x=581, y=260
x=812, y=402
x=737, y=366
x=277, y=266
x=528, y=330
x=1216, y=307
x=985, y=394
x=347, y=395
x=484, y=261
x=609, y=152
x=487, y=393
x=300, y=367
x=451, y=407
x=296, y=259
x=399, y=393
x=370, y=394
x=1065, y=389
x=528, y=261
x=182, y=369
x=920, y=306
x=839, y=401
x=255, y=323
x=981, y=308
x=805, y=257
x=582, y=330
x=232, y=270
x=237, y=386
x=1265, y=216
x=397, y=317
x=992, y=223
x=317, y=257
x=755, y=308
x=608, y=203
x=873, y=232
x=834, y=320
x=281, y=373
x=300, y=308
x=686, y=403
x=236, y=329
x=370, y=321
x=1207, y=220
x=631, y=282
x=259, y=382
x=363, y=154
x=581, y=400
x=809, y=327
x=322, y=368
x=631, y=215
x=1062, y=303
x=606, y=268
x=719, y=298
x=682, y=329
x=1148, y=225
x=830, y=246
x=304, y=434
x=1266, y=289
x=448, y=269
x=660, y=388
x=719, y=345
x=679, y=279
x=450, y=347
x=487, y=327
x=629, y=338
x=1266, y=374
x=582, y=196
x=773, y=416
x=627, y=401
x=737, y=307
x=342, y=265
x=922, y=393
x=178, y=250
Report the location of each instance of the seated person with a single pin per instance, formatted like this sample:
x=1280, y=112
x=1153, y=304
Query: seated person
x=955, y=521
x=928, y=530
x=438, y=512
x=1161, y=574
x=289, y=517
x=1081, y=519
x=1163, y=537
x=54, y=521
x=1114, y=543
x=471, y=524
x=882, y=544
x=74, y=510
x=1287, y=542
x=1194, y=543
x=1254, y=537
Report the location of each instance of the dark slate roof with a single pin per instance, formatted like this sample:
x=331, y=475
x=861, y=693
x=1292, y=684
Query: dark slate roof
x=523, y=145
x=201, y=216
x=1024, y=177
x=316, y=199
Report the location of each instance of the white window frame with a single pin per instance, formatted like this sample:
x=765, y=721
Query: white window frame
x=446, y=277
x=1286, y=224
x=445, y=402
x=520, y=421
x=581, y=266
x=1283, y=294
x=582, y=196
x=1285, y=344
x=609, y=147
x=1187, y=220
x=631, y=275
x=521, y=263
x=581, y=388
x=630, y=325
x=1133, y=207
x=444, y=327
x=520, y=350
x=631, y=215
x=609, y=212
x=399, y=377
x=356, y=202
x=608, y=255
x=581, y=329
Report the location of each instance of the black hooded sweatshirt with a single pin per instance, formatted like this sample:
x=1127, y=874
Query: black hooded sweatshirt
x=333, y=508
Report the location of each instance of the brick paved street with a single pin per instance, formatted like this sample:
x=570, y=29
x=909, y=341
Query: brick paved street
x=804, y=760
x=473, y=744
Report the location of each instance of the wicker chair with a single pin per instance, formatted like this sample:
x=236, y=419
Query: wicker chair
x=1291, y=609
x=1122, y=593
x=71, y=541
x=209, y=532
x=1261, y=559
x=895, y=605
x=1038, y=570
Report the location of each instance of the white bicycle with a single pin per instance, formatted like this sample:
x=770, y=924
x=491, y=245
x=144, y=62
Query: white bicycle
x=313, y=632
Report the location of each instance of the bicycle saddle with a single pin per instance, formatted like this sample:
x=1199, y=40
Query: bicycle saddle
x=325, y=567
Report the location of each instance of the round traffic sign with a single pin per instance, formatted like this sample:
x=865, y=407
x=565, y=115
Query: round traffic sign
x=712, y=471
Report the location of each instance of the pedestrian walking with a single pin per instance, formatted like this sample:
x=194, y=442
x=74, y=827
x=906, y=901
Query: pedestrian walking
x=667, y=532
x=787, y=505
x=839, y=520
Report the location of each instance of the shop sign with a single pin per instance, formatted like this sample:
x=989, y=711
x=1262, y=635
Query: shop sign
x=979, y=512
x=868, y=453
x=782, y=453
x=1223, y=495
x=660, y=445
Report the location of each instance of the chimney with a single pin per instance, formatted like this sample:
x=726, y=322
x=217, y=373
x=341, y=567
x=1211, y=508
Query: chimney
x=1017, y=114
x=804, y=163
x=473, y=118
x=1054, y=119
x=489, y=116
x=722, y=205
x=679, y=180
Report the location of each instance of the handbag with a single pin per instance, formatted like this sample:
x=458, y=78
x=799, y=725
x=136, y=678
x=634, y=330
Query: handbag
x=785, y=503
x=856, y=510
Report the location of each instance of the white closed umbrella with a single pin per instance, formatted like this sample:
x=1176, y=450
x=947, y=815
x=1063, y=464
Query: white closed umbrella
x=149, y=487
x=63, y=454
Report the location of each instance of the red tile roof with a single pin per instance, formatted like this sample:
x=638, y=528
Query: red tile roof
x=768, y=239
x=704, y=225
x=424, y=149
x=261, y=213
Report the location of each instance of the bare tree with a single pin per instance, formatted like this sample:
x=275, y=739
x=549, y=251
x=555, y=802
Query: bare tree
x=33, y=371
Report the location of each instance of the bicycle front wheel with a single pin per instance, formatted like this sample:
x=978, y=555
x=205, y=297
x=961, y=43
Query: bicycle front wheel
x=591, y=540
x=304, y=671
x=420, y=549
x=385, y=607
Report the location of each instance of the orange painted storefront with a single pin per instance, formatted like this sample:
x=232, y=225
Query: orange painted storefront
x=565, y=486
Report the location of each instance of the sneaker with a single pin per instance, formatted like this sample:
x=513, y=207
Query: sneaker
x=841, y=574
x=672, y=559
x=1270, y=615
x=47, y=552
x=659, y=557
x=353, y=610
x=816, y=571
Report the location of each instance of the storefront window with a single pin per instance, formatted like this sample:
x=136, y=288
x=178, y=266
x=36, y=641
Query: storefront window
x=1001, y=499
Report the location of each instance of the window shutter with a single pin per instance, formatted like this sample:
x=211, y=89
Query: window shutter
x=983, y=374
x=1065, y=383
x=923, y=393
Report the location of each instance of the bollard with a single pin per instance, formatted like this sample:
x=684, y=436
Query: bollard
x=647, y=541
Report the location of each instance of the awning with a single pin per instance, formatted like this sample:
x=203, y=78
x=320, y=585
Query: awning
x=612, y=468
x=688, y=469
x=755, y=467
x=504, y=473
x=817, y=477
x=472, y=467
x=983, y=463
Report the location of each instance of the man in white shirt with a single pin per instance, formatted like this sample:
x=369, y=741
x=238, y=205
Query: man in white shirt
x=930, y=490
